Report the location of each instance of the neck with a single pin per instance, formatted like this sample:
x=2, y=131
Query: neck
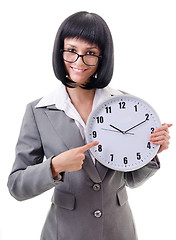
x=80, y=95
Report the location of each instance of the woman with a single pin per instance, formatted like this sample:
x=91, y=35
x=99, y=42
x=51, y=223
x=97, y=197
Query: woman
x=89, y=202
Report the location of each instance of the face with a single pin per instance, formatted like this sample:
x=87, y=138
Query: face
x=78, y=71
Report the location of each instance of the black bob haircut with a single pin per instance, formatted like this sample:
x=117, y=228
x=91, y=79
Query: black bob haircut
x=93, y=29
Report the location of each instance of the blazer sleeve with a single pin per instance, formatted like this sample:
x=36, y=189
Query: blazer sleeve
x=138, y=177
x=30, y=175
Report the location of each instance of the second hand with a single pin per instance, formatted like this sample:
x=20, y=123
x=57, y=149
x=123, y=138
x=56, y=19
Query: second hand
x=115, y=131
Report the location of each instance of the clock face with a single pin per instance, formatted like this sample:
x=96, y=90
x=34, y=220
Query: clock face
x=123, y=125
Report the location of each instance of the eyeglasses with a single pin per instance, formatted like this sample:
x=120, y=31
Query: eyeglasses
x=89, y=60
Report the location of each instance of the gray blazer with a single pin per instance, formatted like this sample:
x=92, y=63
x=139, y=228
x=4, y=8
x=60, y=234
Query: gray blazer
x=89, y=204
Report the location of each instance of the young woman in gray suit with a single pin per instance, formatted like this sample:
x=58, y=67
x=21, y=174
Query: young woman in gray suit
x=88, y=202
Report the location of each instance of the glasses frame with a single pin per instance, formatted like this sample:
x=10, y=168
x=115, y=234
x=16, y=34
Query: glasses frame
x=82, y=56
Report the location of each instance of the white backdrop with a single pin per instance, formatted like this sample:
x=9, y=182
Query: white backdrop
x=144, y=34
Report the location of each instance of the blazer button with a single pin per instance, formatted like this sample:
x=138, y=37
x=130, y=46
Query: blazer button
x=97, y=213
x=96, y=187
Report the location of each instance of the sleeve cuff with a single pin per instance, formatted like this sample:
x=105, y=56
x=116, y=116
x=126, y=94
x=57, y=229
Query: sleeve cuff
x=59, y=177
x=154, y=163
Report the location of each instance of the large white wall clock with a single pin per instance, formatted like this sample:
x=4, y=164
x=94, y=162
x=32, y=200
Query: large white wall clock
x=123, y=125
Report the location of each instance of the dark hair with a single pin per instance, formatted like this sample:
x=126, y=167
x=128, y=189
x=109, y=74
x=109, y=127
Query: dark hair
x=92, y=28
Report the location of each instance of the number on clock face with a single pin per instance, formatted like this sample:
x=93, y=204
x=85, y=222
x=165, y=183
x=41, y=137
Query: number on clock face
x=123, y=125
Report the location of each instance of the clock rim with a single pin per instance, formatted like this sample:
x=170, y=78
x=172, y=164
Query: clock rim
x=87, y=134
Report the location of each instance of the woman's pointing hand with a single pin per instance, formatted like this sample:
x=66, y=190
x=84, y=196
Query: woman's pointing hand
x=71, y=160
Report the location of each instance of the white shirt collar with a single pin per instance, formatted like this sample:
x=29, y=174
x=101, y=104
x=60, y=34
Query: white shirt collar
x=60, y=98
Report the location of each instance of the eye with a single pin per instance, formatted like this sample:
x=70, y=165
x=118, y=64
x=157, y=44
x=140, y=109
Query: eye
x=90, y=53
x=71, y=50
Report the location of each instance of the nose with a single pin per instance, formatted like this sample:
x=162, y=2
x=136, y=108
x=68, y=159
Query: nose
x=80, y=60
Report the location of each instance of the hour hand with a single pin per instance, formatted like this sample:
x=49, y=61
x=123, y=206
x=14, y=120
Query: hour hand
x=117, y=129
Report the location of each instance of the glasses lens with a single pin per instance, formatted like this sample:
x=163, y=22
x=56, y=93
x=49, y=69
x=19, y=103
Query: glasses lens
x=70, y=56
x=90, y=60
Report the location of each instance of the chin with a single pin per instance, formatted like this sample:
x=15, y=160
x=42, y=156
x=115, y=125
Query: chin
x=79, y=81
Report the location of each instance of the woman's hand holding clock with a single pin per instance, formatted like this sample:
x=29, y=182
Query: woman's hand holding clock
x=161, y=137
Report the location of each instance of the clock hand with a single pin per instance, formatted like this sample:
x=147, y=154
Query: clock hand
x=115, y=131
x=135, y=126
x=119, y=129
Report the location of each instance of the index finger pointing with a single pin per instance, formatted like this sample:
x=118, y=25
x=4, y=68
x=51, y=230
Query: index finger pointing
x=88, y=146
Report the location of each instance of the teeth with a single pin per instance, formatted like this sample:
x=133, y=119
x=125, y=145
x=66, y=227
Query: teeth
x=78, y=70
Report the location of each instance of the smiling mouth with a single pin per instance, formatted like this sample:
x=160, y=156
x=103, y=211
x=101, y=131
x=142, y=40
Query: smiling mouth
x=78, y=70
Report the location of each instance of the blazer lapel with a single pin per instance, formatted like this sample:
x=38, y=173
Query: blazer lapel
x=67, y=129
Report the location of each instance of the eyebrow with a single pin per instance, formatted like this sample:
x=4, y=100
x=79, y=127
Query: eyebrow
x=68, y=44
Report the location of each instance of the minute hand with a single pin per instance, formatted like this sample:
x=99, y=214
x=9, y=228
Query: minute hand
x=135, y=126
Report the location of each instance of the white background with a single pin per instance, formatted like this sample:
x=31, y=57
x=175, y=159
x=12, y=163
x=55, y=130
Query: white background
x=144, y=34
